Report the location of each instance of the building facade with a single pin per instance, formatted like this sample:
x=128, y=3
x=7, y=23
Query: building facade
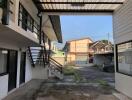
x=122, y=23
x=24, y=43
x=103, y=53
x=78, y=51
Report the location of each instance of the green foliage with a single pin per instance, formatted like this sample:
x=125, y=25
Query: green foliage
x=104, y=41
x=68, y=70
x=58, y=54
x=103, y=82
x=77, y=77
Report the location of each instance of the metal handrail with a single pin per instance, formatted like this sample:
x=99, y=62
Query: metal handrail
x=56, y=65
x=56, y=62
x=31, y=56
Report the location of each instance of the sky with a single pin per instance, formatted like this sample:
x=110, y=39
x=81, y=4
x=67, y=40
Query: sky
x=95, y=27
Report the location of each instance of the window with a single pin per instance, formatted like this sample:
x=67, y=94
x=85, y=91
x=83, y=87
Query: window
x=124, y=58
x=3, y=61
x=1, y=3
x=26, y=21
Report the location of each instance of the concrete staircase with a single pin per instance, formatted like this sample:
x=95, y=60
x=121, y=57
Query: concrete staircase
x=38, y=56
x=55, y=69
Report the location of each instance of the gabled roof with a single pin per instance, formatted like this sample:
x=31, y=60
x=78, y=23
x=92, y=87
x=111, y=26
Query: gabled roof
x=100, y=44
x=80, y=39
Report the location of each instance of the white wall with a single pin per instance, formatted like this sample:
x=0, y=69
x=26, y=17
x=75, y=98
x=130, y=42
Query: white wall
x=3, y=86
x=4, y=78
x=28, y=74
x=122, y=25
x=101, y=59
x=39, y=72
x=124, y=84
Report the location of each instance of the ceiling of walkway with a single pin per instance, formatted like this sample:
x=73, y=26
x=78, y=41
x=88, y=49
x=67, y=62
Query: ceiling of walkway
x=79, y=5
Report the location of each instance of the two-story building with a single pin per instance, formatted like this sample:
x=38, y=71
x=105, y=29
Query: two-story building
x=25, y=37
x=78, y=51
x=103, y=52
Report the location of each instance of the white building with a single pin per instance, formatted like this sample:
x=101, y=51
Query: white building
x=25, y=37
x=122, y=25
x=14, y=40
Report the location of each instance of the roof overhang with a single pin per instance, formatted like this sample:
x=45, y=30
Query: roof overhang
x=52, y=28
x=79, y=6
x=55, y=21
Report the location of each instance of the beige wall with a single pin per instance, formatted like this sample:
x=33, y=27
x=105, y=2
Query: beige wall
x=78, y=47
x=122, y=25
x=71, y=59
x=60, y=60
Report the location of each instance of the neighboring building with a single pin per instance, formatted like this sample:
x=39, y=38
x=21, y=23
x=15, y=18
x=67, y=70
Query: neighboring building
x=103, y=52
x=78, y=51
x=25, y=38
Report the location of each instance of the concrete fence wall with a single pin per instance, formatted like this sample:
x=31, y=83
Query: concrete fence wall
x=60, y=60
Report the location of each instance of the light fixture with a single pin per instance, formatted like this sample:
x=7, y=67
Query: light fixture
x=4, y=51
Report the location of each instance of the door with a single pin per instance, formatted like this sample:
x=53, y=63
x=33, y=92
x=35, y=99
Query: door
x=22, y=67
x=12, y=69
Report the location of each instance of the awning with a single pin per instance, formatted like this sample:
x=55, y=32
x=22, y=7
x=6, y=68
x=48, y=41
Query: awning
x=79, y=5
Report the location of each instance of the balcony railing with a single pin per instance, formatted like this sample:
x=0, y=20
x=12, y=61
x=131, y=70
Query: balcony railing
x=26, y=21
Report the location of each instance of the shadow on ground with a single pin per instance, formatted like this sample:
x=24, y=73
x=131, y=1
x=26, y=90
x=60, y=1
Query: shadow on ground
x=63, y=90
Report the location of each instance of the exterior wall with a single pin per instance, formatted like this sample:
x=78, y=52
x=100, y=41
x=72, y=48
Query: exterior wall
x=28, y=73
x=61, y=60
x=72, y=46
x=71, y=59
x=80, y=45
x=102, y=59
x=123, y=84
x=122, y=20
x=3, y=86
x=30, y=7
x=39, y=72
x=4, y=79
x=78, y=48
x=13, y=27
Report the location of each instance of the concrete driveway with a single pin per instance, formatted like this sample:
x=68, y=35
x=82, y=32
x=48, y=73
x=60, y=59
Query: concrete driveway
x=61, y=90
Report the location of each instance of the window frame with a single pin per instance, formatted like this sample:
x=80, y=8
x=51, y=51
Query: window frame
x=30, y=24
x=6, y=72
x=116, y=52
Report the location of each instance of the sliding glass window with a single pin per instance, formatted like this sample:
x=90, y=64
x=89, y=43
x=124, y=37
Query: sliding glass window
x=124, y=58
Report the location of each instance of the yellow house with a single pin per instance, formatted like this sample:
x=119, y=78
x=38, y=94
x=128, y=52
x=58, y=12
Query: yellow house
x=78, y=51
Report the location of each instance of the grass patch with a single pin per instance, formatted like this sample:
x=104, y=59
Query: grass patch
x=77, y=77
x=69, y=70
x=103, y=82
